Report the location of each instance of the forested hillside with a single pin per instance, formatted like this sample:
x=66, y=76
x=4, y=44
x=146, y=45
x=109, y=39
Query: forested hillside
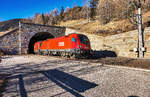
x=102, y=17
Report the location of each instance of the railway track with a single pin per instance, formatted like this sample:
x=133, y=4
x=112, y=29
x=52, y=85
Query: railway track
x=89, y=60
x=114, y=61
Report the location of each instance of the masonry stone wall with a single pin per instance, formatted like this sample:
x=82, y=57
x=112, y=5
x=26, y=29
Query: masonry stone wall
x=10, y=41
x=28, y=31
x=124, y=43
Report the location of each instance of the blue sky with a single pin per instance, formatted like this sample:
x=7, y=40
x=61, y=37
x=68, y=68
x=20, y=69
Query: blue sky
x=10, y=9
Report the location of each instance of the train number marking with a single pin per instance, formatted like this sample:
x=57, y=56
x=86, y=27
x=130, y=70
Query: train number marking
x=61, y=44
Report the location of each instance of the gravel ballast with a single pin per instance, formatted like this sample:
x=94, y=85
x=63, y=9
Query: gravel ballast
x=46, y=76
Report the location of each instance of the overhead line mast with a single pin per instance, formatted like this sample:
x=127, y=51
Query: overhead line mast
x=141, y=48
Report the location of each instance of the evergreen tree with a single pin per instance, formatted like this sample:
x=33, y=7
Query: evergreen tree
x=62, y=13
x=93, y=6
x=43, y=19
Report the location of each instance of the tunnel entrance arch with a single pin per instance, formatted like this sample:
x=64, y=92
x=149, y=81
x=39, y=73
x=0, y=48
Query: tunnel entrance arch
x=38, y=37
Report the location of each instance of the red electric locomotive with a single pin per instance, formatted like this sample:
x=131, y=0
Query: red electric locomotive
x=73, y=45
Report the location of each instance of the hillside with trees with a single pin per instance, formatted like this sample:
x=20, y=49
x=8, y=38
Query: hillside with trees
x=102, y=17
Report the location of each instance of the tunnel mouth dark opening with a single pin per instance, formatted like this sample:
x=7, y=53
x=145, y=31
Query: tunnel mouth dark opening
x=38, y=37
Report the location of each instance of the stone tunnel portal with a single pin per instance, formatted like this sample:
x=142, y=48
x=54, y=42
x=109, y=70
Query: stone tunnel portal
x=38, y=37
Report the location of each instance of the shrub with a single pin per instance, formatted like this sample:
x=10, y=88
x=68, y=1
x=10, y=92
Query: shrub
x=106, y=11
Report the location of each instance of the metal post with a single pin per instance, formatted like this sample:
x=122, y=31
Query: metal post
x=140, y=35
x=19, y=37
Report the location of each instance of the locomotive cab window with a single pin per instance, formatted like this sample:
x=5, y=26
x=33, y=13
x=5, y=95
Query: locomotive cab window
x=83, y=39
x=73, y=39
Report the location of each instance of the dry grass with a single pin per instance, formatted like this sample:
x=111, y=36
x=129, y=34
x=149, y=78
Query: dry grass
x=129, y=62
x=71, y=22
x=96, y=27
x=113, y=27
x=146, y=17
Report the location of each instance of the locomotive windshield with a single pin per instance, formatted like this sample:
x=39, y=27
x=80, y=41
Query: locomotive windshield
x=83, y=39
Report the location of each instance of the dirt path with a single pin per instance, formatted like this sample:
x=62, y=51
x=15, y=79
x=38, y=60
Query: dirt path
x=45, y=76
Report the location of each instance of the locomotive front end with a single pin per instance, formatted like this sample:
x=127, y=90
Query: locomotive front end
x=84, y=47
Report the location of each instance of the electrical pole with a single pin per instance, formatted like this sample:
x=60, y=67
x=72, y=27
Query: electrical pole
x=141, y=48
x=138, y=21
x=19, y=38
